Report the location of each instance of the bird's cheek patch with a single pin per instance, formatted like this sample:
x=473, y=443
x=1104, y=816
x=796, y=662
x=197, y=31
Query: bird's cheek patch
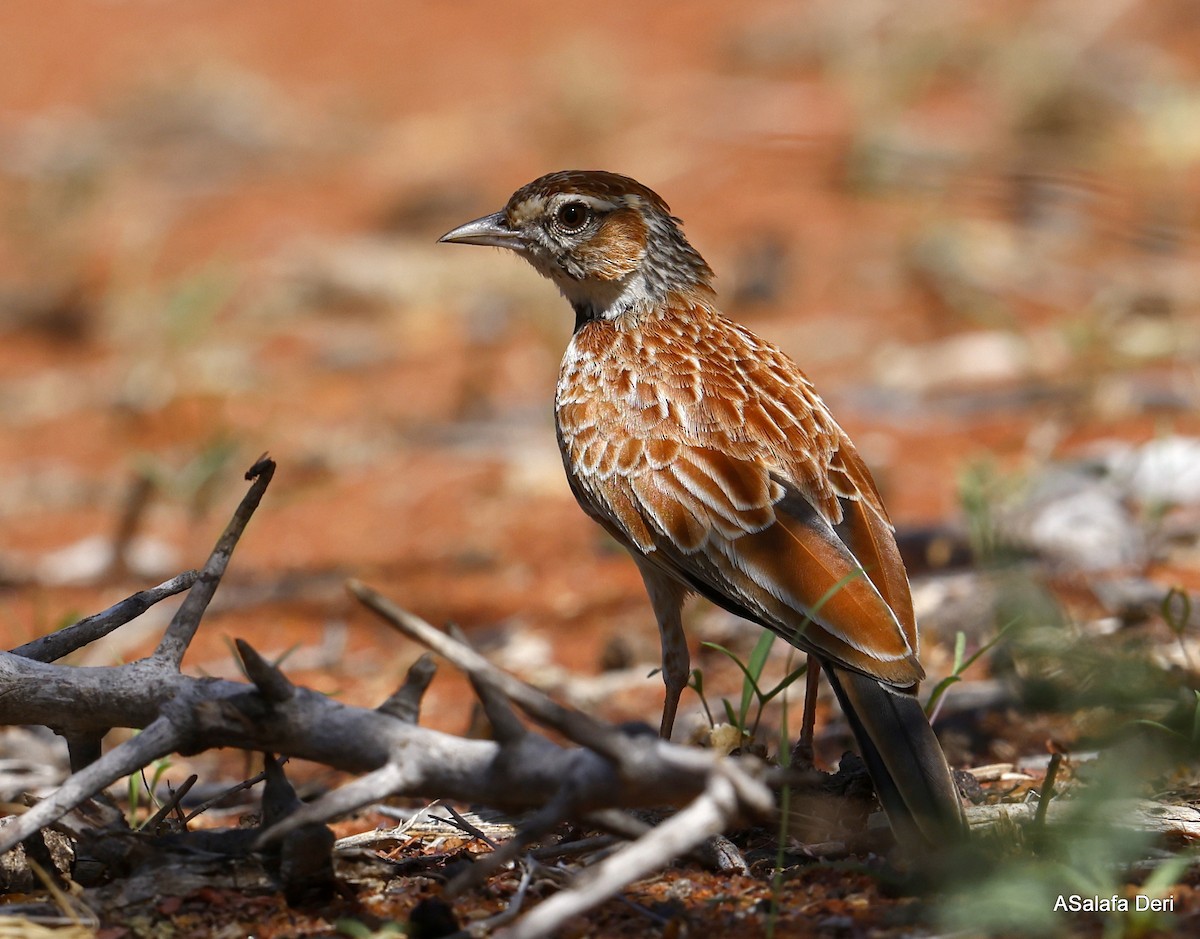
x=618, y=247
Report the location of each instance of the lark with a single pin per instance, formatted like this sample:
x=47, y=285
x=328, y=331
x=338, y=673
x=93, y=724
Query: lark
x=708, y=454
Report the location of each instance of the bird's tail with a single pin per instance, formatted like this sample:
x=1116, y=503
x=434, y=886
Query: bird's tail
x=905, y=761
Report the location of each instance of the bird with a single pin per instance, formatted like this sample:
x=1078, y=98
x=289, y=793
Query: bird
x=707, y=453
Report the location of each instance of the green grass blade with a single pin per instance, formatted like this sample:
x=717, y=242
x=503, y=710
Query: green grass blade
x=736, y=661
x=754, y=668
x=730, y=715
x=960, y=649
x=939, y=690
x=961, y=664
x=789, y=679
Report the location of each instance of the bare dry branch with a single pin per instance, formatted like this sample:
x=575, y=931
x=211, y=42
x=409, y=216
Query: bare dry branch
x=185, y=714
x=713, y=811
x=187, y=618
x=1135, y=814
x=574, y=725
x=157, y=740
x=64, y=641
x=137, y=499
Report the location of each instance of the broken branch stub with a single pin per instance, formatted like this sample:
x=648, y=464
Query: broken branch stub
x=186, y=621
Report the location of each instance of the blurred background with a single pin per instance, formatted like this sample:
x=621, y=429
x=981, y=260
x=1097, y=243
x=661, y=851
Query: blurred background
x=973, y=225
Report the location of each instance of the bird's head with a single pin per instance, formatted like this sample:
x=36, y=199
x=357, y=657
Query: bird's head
x=608, y=242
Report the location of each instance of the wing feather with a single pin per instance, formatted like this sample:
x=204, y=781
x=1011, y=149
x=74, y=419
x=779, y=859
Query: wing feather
x=773, y=515
x=868, y=533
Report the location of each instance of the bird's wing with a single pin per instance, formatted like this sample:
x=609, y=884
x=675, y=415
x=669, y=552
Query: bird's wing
x=743, y=540
x=750, y=493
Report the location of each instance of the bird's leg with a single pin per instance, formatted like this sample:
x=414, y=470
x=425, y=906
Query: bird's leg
x=802, y=752
x=676, y=664
x=667, y=596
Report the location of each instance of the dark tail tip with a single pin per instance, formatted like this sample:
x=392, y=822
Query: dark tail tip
x=905, y=760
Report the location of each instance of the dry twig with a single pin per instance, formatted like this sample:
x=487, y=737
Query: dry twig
x=608, y=770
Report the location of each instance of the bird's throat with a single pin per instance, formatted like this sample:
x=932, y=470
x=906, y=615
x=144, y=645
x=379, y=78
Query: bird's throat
x=612, y=300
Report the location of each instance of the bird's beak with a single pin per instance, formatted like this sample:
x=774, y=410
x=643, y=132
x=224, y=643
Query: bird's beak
x=490, y=230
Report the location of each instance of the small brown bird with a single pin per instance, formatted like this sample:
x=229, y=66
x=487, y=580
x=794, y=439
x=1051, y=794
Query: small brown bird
x=707, y=453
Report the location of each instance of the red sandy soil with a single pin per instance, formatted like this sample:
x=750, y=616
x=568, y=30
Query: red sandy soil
x=217, y=239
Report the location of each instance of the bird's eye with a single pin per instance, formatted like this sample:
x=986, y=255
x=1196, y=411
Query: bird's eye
x=572, y=216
